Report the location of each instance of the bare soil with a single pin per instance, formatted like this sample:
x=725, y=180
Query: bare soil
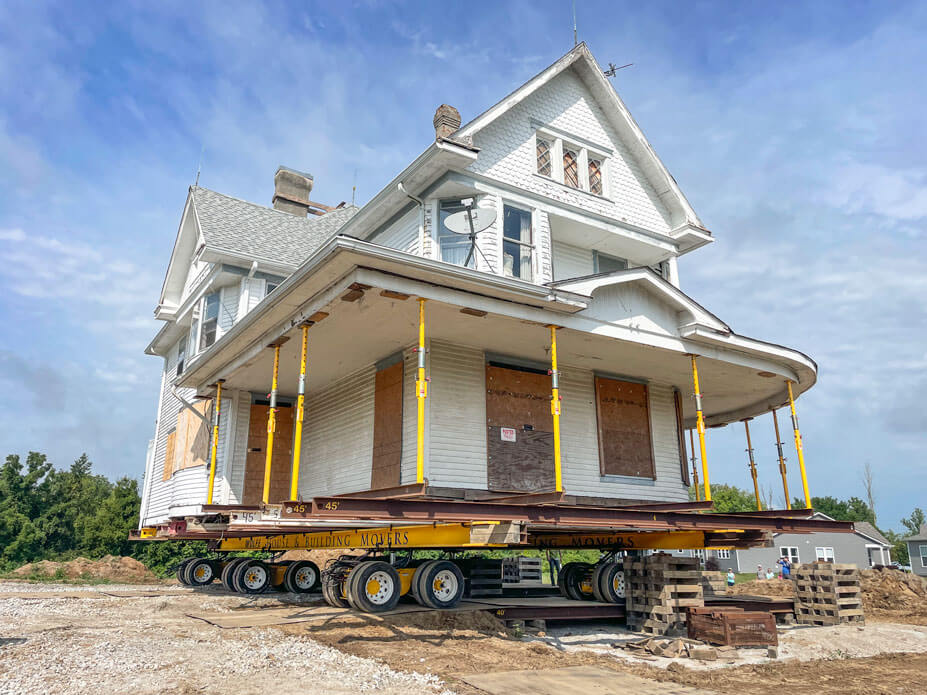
x=110, y=568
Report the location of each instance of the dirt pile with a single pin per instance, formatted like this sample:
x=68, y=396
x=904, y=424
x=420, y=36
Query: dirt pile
x=110, y=567
x=319, y=557
x=893, y=590
x=778, y=588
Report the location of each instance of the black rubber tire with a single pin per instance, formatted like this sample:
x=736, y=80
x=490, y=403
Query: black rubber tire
x=228, y=573
x=199, y=564
x=179, y=572
x=606, y=577
x=298, y=585
x=416, y=578
x=584, y=570
x=565, y=582
x=247, y=577
x=331, y=592
x=426, y=587
x=362, y=574
x=596, y=587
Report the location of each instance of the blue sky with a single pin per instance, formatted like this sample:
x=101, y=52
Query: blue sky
x=796, y=131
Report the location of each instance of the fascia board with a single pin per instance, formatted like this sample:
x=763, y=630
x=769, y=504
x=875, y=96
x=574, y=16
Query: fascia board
x=172, y=263
x=217, y=254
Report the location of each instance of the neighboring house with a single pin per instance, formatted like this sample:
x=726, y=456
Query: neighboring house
x=589, y=232
x=917, y=551
x=866, y=547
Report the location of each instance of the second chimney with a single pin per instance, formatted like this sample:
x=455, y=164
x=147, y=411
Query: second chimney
x=291, y=191
x=446, y=121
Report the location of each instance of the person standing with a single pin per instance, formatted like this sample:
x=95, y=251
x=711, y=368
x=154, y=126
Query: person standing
x=730, y=578
x=785, y=568
x=759, y=572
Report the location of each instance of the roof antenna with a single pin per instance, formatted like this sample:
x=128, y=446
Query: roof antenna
x=612, y=69
x=199, y=165
x=575, y=39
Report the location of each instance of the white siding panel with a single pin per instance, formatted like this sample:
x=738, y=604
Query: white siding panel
x=457, y=451
x=408, y=461
x=228, y=308
x=239, y=451
x=572, y=261
x=337, y=450
x=580, y=449
x=403, y=234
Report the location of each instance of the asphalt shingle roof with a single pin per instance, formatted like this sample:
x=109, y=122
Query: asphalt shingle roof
x=920, y=536
x=867, y=529
x=259, y=232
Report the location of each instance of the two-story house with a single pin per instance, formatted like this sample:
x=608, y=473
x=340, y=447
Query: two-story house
x=586, y=233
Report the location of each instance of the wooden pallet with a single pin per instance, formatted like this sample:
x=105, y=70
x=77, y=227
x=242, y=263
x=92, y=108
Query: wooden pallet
x=659, y=589
x=827, y=594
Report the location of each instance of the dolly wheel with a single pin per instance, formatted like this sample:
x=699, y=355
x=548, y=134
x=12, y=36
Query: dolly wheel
x=252, y=577
x=301, y=577
x=200, y=572
x=227, y=576
x=374, y=587
x=332, y=591
x=180, y=570
x=442, y=585
x=608, y=582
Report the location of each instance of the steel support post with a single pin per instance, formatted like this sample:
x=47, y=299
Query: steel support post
x=271, y=425
x=215, y=441
x=300, y=413
x=782, y=469
x=555, y=408
x=700, y=423
x=798, y=447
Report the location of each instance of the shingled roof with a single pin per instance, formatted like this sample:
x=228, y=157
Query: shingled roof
x=867, y=529
x=253, y=231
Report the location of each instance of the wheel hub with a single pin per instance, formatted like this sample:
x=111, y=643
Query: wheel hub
x=379, y=588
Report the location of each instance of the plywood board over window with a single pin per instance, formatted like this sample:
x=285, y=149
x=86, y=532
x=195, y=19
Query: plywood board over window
x=519, y=430
x=387, y=427
x=625, y=445
x=188, y=445
x=256, y=458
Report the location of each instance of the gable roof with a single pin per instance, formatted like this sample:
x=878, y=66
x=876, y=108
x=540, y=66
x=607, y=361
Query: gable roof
x=581, y=59
x=237, y=227
x=919, y=536
x=867, y=529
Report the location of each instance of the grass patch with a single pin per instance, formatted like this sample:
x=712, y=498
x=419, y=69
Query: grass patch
x=57, y=578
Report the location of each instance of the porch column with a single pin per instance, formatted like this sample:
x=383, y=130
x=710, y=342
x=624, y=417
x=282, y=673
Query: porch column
x=700, y=423
x=215, y=441
x=752, y=464
x=782, y=472
x=555, y=408
x=798, y=446
x=421, y=393
x=300, y=410
x=271, y=424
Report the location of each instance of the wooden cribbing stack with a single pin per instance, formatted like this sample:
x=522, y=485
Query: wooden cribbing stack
x=659, y=588
x=827, y=594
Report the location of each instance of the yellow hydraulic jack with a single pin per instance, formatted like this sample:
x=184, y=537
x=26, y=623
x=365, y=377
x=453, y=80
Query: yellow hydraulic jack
x=421, y=393
x=698, y=492
x=700, y=424
x=215, y=441
x=271, y=423
x=555, y=408
x=798, y=447
x=300, y=412
x=756, y=486
x=782, y=471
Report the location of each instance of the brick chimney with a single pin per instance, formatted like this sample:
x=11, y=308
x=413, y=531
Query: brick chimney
x=291, y=191
x=446, y=121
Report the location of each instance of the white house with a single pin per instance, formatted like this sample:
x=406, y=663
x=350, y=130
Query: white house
x=590, y=235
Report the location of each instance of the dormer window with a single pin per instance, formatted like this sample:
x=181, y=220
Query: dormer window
x=210, y=320
x=583, y=167
x=543, y=152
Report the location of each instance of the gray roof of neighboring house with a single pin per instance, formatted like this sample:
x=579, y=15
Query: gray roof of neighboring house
x=258, y=232
x=920, y=536
x=867, y=529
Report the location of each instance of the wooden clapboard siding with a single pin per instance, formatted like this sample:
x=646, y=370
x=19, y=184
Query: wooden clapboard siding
x=519, y=400
x=625, y=446
x=281, y=460
x=457, y=416
x=681, y=438
x=387, y=427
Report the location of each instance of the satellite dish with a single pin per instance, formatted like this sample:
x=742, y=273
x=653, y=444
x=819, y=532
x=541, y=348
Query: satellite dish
x=469, y=222
x=460, y=222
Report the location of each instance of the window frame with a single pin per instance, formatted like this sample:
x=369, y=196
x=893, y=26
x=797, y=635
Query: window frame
x=532, y=265
x=788, y=555
x=723, y=554
x=203, y=319
x=557, y=145
x=182, y=345
x=439, y=223
x=595, y=261
x=818, y=553
x=922, y=551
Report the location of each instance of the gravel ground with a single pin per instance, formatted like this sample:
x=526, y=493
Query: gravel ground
x=146, y=645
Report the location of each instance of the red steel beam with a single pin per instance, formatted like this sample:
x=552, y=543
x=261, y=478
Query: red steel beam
x=593, y=517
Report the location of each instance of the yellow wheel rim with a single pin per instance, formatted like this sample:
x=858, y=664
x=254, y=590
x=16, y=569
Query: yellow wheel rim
x=373, y=587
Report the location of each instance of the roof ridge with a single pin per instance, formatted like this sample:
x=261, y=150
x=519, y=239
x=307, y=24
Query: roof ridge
x=193, y=190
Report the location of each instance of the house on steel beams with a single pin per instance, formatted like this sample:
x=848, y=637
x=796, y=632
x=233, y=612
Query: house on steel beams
x=557, y=355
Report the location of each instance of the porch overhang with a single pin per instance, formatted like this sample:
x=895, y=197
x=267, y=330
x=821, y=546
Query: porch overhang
x=741, y=377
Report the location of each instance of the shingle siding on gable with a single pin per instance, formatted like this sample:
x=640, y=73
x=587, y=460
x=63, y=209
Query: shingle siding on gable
x=508, y=154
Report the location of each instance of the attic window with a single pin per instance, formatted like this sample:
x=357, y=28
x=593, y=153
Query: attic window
x=570, y=169
x=210, y=322
x=543, y=151
x=595, y=176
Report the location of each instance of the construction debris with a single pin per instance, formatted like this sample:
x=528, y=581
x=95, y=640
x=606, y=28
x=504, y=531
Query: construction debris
x=732, y=626
x=678, y=648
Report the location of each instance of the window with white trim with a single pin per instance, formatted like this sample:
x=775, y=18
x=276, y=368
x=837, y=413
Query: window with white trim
x=723, y=554
x=517, y=242
x=454, y=248
x=824, y=553
x=789, y=552
x=572, y=164
x=699, y=553
x=608, y=264
x=923, y=553
x=209, y=320
x=181, y=354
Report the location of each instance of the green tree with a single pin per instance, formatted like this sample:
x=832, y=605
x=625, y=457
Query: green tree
x=729, y=498
x=914, y=522
x=21, y=538
x=853, y=509
x=107, y=531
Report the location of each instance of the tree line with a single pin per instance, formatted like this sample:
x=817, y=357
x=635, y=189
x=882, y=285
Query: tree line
x=55, y=514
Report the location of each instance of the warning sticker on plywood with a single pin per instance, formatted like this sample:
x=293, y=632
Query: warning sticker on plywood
x=508, y=434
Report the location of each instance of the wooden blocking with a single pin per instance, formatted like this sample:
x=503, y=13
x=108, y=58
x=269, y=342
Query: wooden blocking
x=355, y=292
x=827, y=594
x=390, y=294
x=659, y=590
x=473, y=312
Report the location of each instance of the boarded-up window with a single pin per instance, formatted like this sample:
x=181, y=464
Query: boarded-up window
x=595, y=176
x=387, y=427
x=624, y=428
x=543, y=150
x=169, y=454
x=191, y=439
x=681, y=436
x=570, y=169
